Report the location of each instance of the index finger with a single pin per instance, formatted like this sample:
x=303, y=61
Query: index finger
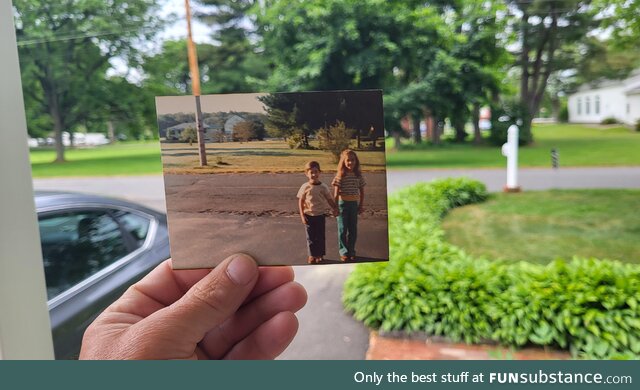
x=163, y=286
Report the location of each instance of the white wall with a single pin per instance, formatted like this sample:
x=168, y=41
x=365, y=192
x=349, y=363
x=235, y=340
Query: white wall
x=634, y=109
x=613, y=102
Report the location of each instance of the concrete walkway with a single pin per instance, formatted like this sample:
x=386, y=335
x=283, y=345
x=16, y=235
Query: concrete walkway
x=529, y=178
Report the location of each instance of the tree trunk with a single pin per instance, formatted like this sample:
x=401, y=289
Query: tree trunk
x=417, y=137
x=111, y=130
x=358, y=140
x=435, y=134
x=534, y=81
x=396, y=140
x=58, y=129
x=475, y=117
x=458, y=125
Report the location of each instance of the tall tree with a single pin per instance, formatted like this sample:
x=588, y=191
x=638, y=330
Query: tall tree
x=543, y=27
x=343, y=44
x=65, y=47
x=235, y=63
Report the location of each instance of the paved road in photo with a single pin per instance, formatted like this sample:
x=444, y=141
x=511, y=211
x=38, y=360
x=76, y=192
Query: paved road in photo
x=258, y=214
x=326, y=332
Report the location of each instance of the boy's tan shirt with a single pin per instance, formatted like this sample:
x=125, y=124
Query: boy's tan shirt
x=316, y=198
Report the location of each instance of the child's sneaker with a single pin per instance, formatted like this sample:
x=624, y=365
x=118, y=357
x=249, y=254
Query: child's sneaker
x=311, y=259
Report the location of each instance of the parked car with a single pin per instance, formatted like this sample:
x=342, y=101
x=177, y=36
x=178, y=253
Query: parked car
x=93, y=249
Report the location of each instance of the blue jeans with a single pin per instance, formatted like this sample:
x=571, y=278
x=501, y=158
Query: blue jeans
x=347, y=227
x=315, y=235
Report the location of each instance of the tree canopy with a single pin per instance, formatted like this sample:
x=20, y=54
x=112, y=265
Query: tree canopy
x=65, y=48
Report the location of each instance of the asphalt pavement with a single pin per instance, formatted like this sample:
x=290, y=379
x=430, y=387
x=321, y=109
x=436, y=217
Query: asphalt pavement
x=326, y=331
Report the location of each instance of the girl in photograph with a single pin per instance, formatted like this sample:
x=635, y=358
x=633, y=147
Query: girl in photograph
x=349, y=194
x=314, y=201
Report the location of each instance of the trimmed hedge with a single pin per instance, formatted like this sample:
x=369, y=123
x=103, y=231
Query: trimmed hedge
x=590, y=307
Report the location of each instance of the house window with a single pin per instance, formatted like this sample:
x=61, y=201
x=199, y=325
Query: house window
x=597, y=104
x=587, y=105
x=579, y=106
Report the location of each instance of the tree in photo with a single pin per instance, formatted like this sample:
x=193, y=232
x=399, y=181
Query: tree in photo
x=65, y=47
x=245, y=131
x=283, y=120
x=336, y=138
x=190, y=135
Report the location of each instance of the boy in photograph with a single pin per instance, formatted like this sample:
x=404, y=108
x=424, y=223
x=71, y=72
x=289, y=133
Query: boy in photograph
x=314, y=201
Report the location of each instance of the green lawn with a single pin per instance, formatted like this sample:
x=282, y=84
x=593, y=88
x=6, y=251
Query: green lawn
x=121, y=159
x=578, y=145
x=542, y=226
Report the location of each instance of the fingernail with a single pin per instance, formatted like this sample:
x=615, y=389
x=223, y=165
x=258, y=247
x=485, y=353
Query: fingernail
x=242, y=269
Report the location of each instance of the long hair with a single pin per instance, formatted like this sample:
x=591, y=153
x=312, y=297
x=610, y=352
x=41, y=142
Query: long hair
x=342, y=168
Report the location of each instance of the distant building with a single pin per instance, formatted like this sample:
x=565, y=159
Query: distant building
x=619, y=99
x=212, y=133
x=231, y=123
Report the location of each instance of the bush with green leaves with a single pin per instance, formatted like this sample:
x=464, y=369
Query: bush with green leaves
x=609, y=121
x=510, y=112
x=190, y=135
x=335, y=139
x=590, y=307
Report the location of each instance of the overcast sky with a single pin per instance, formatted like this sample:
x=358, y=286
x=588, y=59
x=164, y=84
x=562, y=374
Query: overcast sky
x=241, y=102
x=178, y=30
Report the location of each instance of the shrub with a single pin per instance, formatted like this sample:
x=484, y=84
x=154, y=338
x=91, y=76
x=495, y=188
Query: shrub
x=296, y=140
x=190, y=135
x=335, y=139
x=513, y=112
x=609, y=121
x=638, y=125
x=564, y=114
x=590, y=307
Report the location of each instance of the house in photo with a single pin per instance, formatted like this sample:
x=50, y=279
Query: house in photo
x=596, y=101
x=211, y=133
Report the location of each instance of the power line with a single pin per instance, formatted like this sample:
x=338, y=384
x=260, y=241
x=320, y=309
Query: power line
x=27, y=42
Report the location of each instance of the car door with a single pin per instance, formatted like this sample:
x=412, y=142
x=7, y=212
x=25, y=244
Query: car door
x=90, y=256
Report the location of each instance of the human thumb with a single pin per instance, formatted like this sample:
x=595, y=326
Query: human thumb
x=212, y=300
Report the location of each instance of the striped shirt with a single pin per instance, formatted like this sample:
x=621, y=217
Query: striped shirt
x=349, y=186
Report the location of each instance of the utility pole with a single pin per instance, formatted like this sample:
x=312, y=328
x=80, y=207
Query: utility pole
x=195, y=86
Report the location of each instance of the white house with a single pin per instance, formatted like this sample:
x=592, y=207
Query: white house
x=619, y=99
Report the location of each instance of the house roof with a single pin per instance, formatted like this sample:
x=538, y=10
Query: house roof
x=633, y=91
x=634, y=78
x=183, y=126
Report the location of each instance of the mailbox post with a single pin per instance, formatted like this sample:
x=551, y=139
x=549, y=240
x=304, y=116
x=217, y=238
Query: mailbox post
x=510, y=151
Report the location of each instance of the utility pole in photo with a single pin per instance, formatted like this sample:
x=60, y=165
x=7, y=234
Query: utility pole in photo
x=195, y=86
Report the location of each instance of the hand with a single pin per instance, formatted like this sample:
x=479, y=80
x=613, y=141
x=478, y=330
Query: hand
x=336, y=212
x=360, y=209
x=304, y=219
x=235, y=311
